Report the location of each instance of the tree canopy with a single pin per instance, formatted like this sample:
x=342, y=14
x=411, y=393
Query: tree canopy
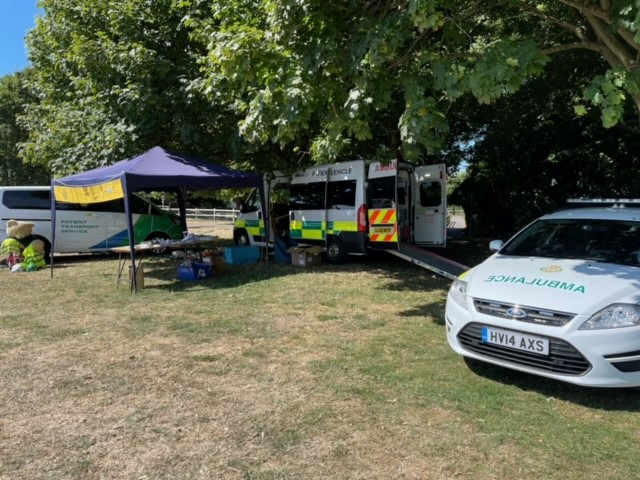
x=532, y=153
x=13, y=97
x=112, y=79
x=290, y=82
x=377, y=77
x=540, y=99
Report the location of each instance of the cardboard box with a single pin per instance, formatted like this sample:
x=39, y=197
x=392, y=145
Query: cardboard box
x=139, y=277
x=219, y=265
x=306, y=256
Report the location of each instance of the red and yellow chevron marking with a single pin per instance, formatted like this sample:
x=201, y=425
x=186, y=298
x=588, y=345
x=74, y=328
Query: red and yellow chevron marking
x=383, y=216
x=383, y=225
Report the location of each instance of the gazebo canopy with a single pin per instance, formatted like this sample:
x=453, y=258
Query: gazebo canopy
x=155, y=170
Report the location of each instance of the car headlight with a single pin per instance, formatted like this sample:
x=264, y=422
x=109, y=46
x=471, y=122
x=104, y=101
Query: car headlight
x=617, y=315
x=458, y=292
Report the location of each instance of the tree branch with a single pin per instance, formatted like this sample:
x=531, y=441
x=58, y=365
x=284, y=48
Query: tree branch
x=628, y=37
x=605, y=5
x=593, y=46
x=587, y=8
x=575, y=29
x=613, y=45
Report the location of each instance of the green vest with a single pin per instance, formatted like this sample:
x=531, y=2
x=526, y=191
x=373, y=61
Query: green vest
x=33, y=259
x=9, y=246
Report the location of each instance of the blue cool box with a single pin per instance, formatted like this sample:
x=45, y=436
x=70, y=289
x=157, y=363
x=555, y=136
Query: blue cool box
x=240, y=255
x=196, y=271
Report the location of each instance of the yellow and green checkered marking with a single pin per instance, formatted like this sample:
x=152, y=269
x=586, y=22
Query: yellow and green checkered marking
x=255, y=228
x=299, y=229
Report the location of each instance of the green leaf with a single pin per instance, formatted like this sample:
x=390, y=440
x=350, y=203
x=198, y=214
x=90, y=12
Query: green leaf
x=580, y=110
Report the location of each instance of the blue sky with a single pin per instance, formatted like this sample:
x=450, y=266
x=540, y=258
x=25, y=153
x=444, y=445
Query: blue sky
x=17, y=17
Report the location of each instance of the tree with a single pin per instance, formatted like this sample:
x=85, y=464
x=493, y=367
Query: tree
x=112, y=78
x=608, y=28
x=334, y=78
x=353, y=78
x=532, y=154
x=291, y=82
x=13, y=98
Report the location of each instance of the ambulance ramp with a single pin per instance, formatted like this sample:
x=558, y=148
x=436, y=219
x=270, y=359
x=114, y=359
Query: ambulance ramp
x=429, y=260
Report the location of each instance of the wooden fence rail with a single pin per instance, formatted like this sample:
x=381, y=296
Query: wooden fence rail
x=228, y=214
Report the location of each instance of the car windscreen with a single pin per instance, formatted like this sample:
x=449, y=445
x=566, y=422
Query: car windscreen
x=609, y=241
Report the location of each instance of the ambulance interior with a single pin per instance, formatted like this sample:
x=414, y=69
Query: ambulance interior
x=384, y=192
x=279, y=213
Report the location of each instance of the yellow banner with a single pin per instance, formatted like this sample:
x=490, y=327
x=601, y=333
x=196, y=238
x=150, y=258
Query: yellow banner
x=92, y=194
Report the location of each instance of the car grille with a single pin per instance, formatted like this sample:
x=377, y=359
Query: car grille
x=533, y=315
x=563, y=358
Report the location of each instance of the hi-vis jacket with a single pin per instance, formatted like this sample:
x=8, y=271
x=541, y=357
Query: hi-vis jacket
x=9, y=246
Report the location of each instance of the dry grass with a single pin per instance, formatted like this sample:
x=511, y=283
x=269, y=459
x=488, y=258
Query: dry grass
x=276, y=372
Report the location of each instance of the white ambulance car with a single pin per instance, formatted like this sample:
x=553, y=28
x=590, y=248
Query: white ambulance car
x=350, y=208
x=560, y=299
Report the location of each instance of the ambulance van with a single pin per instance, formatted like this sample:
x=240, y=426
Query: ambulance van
x=350, y=208
x=81, y=228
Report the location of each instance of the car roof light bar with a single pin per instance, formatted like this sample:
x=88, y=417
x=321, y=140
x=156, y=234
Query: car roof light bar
x=620, y=202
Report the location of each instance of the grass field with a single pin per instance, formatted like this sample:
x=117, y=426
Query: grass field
x=271, y=371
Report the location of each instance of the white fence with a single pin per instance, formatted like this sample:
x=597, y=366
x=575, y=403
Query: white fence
x=225, y=214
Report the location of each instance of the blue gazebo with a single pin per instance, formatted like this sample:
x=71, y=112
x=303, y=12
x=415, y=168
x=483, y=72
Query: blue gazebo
x=157, y=169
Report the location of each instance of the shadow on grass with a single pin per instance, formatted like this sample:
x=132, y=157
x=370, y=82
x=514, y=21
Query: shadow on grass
x=404, y=276
x=614, y=399
x=67, y=260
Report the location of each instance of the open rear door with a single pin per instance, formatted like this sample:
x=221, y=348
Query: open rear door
x=430, y=205
x=382, y=205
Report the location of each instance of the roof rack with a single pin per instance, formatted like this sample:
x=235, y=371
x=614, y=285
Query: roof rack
x=602, y=202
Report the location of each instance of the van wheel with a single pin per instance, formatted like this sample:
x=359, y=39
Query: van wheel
x=160, y=236
x=335, y=252
x=241, y=237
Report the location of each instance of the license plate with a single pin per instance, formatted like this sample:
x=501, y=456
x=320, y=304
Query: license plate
x=381, y=230
x=518, y=341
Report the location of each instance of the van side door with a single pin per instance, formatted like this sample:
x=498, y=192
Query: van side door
x=79, y=228
x=430, y=205
x=307, y=214
x=117, y=233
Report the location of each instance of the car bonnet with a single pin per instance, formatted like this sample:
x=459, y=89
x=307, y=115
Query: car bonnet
x=572, y=286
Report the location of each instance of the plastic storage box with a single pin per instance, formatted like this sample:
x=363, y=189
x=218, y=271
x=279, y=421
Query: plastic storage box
x=241, y=255
x=194, y=271
x=281, y=247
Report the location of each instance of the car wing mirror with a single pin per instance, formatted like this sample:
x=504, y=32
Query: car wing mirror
x=495, y=245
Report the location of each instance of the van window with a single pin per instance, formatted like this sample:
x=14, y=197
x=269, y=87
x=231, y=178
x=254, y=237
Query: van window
x=308, y=196
x=116, y=206
x=430, y=194
x=27, y=199
x=343, y=193
x=253, y=203
x=382, y=192
x=138, y=206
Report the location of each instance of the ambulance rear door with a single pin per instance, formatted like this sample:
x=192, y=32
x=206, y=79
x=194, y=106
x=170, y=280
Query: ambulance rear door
x=430, y=205
x=382, y=202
